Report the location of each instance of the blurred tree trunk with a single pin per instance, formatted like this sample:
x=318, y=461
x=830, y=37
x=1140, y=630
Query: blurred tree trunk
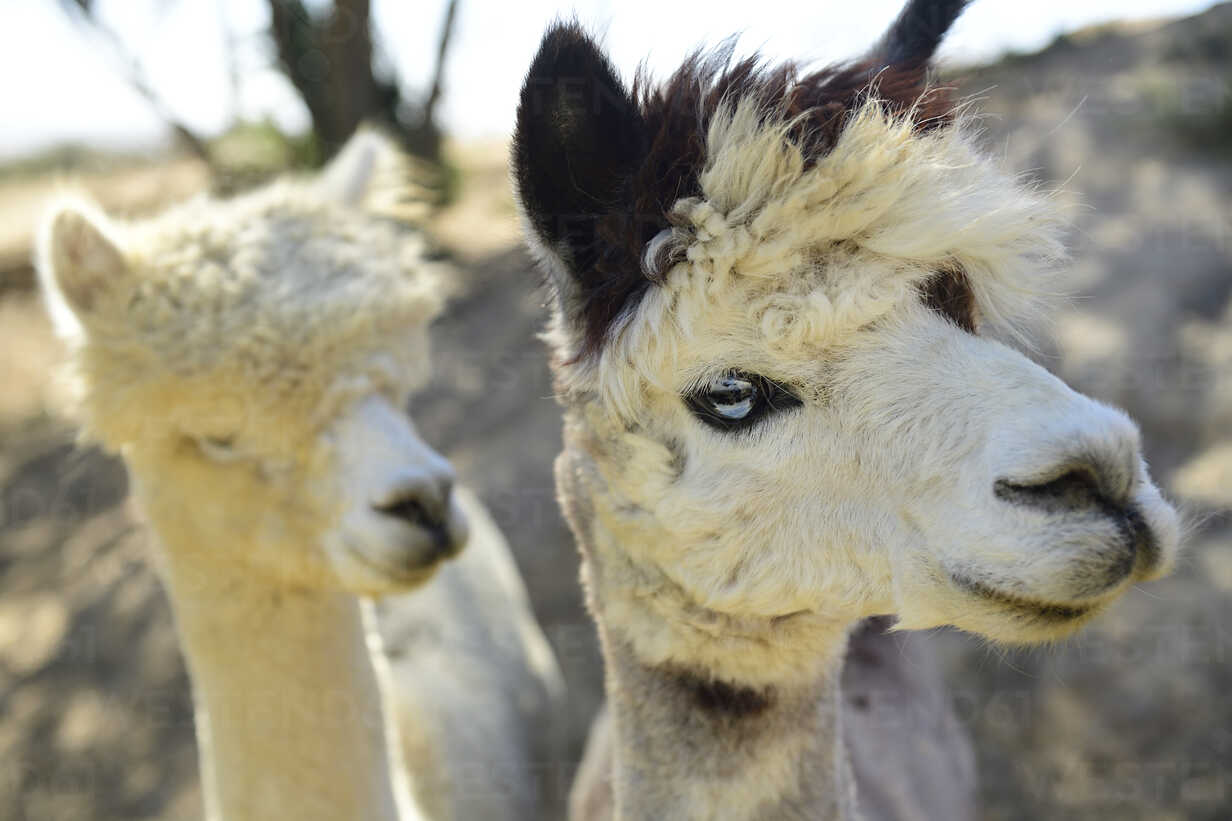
x=329, y=61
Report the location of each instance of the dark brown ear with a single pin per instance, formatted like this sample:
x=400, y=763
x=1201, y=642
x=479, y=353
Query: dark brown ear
x=579, y=139
x=913, y=37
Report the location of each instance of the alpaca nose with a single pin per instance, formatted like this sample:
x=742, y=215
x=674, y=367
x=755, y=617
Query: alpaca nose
x=1099, y=473
x=1078, y=488
x=422, y=501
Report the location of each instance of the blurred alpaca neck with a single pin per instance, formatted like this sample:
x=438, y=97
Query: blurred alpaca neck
x=288, y=695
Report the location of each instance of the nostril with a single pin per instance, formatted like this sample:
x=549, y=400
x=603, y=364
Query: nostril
x=419, y=512
x=407, y=509
x=422, y=499
x=1076, y=489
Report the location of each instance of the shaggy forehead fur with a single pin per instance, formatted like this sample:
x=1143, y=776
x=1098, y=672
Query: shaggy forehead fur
x=811, y=111
x=269, y=310
x=789, y=249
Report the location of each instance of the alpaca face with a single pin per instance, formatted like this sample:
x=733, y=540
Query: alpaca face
x=909, y=467
x=785, y=376
x=248, y=358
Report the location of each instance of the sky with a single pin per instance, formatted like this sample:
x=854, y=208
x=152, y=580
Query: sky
x=63, y=84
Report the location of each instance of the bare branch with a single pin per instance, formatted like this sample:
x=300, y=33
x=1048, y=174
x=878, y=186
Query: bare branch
x=82, y=13
x=442, y=49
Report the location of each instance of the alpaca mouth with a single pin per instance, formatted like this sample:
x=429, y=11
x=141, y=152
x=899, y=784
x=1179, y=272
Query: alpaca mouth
x=1052, y=612
x=411, y=574
x=1135, y=543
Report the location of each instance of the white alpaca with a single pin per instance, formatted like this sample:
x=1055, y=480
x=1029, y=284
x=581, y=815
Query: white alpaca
x=776, y=296
x=250, y=360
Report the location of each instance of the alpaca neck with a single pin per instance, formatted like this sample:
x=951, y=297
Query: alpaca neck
x=700, y=732
x=690, y=748
x=290, y=719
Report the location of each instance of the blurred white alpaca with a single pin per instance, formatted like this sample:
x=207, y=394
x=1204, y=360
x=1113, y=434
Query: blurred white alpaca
x=251, y=359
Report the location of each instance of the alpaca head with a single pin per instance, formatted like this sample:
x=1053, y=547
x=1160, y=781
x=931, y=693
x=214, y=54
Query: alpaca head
x=251, y=360
x=778, y=299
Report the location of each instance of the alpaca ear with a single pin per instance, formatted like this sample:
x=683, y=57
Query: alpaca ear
x=579, y=139
x=80, y=265
x=912, y=39
x=349, y=177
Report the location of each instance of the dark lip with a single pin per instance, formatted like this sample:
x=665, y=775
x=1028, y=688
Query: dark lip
x=1046, y=611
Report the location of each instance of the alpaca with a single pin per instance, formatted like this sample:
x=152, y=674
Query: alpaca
x=250, y=360
x=779, y=329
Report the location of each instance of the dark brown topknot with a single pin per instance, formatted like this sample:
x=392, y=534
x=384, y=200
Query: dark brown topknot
x=678, y=113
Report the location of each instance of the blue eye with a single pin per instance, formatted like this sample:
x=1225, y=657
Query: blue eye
x=732, y=397
x=736, y=400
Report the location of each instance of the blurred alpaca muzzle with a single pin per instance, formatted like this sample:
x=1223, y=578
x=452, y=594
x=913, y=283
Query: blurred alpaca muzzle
x=425, y=504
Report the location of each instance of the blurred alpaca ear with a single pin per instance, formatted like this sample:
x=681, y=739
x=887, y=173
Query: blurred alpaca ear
x=579, y=139
x=349, y=177
x=81, y=268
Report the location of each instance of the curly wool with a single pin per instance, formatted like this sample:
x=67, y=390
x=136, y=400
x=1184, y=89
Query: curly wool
x=284, y=297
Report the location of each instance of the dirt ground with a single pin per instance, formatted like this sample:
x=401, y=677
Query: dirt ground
x=1130, y=720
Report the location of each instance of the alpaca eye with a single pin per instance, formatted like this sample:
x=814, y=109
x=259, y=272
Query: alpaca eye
x=737, y=400
x=218, y=448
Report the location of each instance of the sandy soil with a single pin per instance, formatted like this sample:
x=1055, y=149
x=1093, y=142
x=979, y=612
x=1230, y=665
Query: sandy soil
x=1129, y=721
